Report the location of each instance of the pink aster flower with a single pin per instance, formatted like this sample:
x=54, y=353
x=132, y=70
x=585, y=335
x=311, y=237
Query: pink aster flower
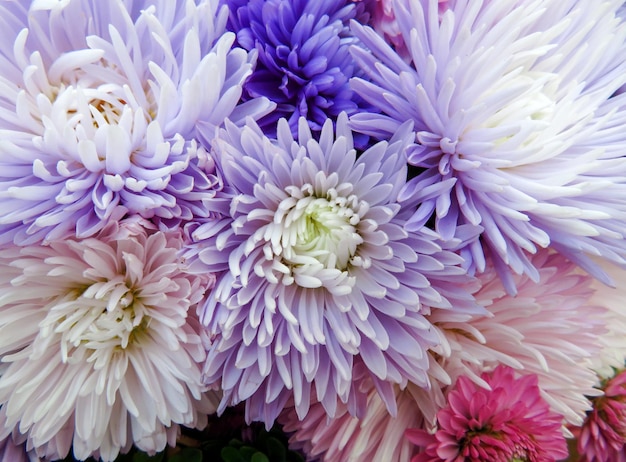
x=602, y=437
x=510, y=421
x=383, y=20
x=102, y=107
x=102, y=345
x=375, y=436
x=550, y=330
x=613, y=354
x=10, y=451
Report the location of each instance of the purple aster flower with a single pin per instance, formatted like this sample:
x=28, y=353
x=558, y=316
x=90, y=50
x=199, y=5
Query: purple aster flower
x=99, y=106
x=318, y=282
x=304, y=64
x=517, y=129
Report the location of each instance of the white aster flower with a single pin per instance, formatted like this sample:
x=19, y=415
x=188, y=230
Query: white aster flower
x=518, y=130
x=102, y=344
x=102, y=109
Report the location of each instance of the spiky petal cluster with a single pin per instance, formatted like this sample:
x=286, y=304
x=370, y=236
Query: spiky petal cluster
x=102, y=344
x=303, y=60
x=551, y=329
x=99, y=110
x=506, y=423
x=603, y=435
x=10, y=451
x=314, y=269
x=531, y=150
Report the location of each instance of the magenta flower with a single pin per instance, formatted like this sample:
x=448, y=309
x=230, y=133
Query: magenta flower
x=508, y=422
x=602, y=437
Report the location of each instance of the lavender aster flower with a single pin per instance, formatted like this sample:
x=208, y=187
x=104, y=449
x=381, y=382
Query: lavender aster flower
x=99, y=106
x=516, y=127
x=315, y=269
x=304, y=63
x=102, y=343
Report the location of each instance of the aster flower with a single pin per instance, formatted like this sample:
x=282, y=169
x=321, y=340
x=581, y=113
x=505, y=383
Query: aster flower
x=10, y=451
x=315, y=269
x=383, y=20
x=508, y=422
x=375, y=436
x=516, y=127
x=304, y=64
x=102, y=344
x=100, y=108
x=551, y=330
x=613, y=354
x=603, y=435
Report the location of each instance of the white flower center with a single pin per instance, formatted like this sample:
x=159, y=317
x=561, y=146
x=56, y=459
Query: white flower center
x=320, y=228
x=314, y=237
x=105, y=316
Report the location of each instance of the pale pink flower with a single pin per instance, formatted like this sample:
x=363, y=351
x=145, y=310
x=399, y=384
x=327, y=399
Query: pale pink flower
x=510, y=421
x=602, y=437
x=375, y=436
x=102, y=344
x=549, y=330
x=12, y=451
x=383, y=20
x=613, y=354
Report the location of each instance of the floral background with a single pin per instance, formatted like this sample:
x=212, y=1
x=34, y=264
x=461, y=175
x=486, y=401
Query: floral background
x=321, y=230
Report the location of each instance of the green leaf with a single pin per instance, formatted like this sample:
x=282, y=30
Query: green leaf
x=276, y=450
x=143, y=457
x=187, y=455
x=247, y=452
x=259, y=457
x=230, y=454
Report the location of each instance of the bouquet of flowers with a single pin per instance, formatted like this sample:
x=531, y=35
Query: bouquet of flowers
x=334, y=230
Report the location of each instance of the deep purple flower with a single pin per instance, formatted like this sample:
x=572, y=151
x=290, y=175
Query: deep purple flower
x=517, y=129
x=100, y=108
x=304, y=63
x=318, y=282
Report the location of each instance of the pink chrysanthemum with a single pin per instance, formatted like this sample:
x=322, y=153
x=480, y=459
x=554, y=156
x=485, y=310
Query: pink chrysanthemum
x=549, y=330
x=383, y=20
x=10, y=451
x=511, y=421
x=102, y=344
x=376, y=436
x=613, y=354
x=602, y=437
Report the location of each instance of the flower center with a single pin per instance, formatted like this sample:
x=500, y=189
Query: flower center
x=319, y=230
x=105, y=316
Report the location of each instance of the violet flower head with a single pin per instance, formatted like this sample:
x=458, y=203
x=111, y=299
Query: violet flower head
x=508, y=422
x=304, y=64
x=516, y=126
x=317, y=280
x=100, y=109
x=603, y=435
x=102, y=344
